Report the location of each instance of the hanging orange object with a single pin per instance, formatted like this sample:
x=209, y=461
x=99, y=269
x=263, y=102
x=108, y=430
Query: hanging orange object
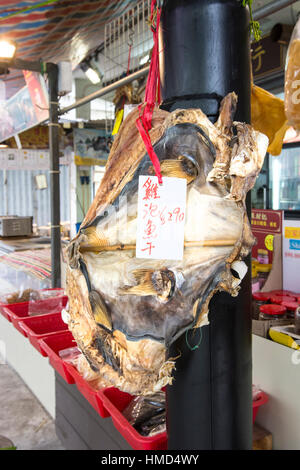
x=292, y=80
x=268, y=117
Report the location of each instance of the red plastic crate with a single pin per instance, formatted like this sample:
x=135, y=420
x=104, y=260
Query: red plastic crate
x=5, y=312
x=51, y=345
x=263, y=398
x=91, y=395
x=15, y=312
x=19, y=312
x=115, y=402
x=38, y=327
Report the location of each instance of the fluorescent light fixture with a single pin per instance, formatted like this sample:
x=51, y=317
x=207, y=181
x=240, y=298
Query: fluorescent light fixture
x=3, y=146
x=91, y=74
x=144, y=59
x=7, y=49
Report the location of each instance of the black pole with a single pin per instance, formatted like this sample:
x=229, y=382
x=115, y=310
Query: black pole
x=205, y=53
x=52, y=72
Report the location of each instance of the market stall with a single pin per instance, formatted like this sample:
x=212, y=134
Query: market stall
x=114, y=365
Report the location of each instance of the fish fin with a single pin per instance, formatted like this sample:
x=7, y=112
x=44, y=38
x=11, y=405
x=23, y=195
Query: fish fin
x=176, y=168
x=142, y=275
x=226, y=113
x=144, y=286
x=195, y=306
x=149, y=282
x=99, y=309
x=95, y=238
x=141, y=290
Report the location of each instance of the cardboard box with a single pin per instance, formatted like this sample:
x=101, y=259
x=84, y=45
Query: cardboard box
x=261, y=327
x=14, y=226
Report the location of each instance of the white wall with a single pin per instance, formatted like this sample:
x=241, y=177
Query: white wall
x=277, y=375
x=33, y=368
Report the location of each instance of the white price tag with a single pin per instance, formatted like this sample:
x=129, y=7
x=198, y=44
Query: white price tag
x=161, y=217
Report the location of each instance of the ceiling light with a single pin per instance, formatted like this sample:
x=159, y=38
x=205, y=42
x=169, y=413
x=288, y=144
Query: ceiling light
x=144, y=59
x=7, y=49
x=91, y=74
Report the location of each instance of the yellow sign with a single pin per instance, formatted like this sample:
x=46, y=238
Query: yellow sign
x=118, y=121
x=89, y=161
x=269, y=242
x=292, y=232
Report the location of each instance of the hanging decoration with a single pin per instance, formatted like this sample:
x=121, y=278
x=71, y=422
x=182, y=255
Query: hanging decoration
x=292, y=79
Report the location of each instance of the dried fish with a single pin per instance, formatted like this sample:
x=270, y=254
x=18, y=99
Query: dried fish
x=125, y=311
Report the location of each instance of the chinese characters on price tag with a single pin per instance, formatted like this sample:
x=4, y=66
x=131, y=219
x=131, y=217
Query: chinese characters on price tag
x=161, y=216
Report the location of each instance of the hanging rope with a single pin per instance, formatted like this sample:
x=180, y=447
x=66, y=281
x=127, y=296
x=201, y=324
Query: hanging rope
x=152, y=93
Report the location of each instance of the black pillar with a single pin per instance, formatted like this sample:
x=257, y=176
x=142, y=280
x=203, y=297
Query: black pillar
x=204, y=54
x=52, y=71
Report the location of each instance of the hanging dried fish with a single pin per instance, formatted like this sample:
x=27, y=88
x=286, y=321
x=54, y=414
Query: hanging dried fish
x=125, y=311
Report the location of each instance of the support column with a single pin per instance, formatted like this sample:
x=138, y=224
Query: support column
x=52, y=71
x=205, y=53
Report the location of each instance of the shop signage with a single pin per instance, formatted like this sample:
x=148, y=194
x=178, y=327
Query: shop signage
x=267, y=57
x=27, y=108
x=291, y=254
x=14, y=159
x=265, y=224
x=38, y=94
x=91, y=146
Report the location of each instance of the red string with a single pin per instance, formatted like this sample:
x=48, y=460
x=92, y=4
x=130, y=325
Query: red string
x=129, y=54
x=152, y=94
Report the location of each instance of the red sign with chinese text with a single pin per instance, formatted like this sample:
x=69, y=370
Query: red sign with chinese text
x=265, y=223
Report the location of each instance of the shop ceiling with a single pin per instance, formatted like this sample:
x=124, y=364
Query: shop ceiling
x=55, y=30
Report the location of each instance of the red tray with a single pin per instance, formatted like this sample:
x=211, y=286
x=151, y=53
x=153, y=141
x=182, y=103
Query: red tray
x=91, y=395
x=40, y=326
x=5, y=312
x=263, y=398
x=115, y=402
x=19, y=312
x=51, y=345
x=15, y=312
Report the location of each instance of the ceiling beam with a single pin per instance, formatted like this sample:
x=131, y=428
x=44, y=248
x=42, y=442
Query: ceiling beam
x=271, y=8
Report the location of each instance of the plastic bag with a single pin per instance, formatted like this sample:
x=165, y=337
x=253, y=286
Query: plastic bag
x=256, y=392
x=292, y=79
x=75, y=357
x=147, y=414
x=18, y=296
x=45, y=301
x=70, y=355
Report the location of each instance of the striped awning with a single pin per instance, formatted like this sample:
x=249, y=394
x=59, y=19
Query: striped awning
x=55, y=30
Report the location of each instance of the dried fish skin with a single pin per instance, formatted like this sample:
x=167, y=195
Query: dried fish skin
x=126, y=311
